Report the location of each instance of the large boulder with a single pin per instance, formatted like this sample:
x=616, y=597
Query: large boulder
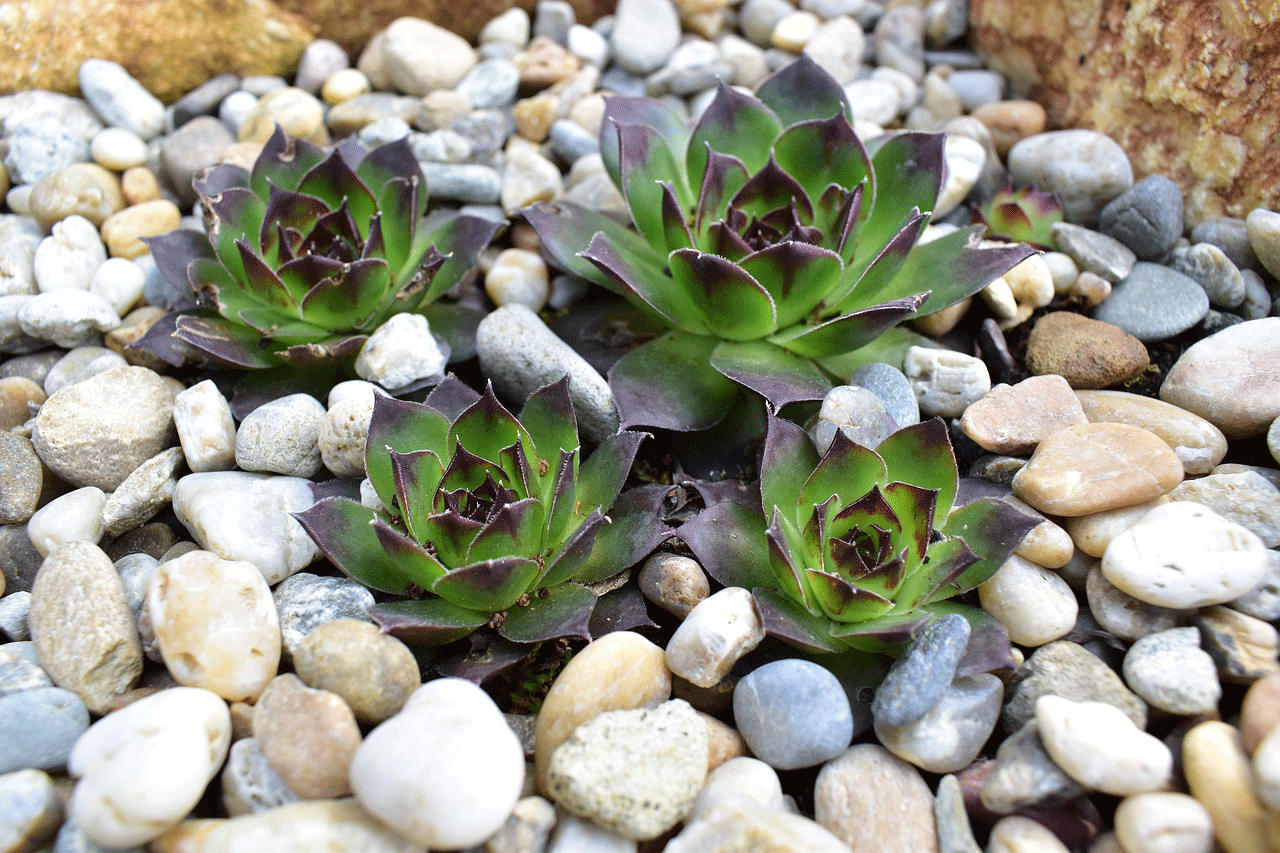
x=170, y=46
x=1187, y=88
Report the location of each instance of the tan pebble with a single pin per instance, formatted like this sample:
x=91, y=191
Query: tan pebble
x=242, y=154
x=850, y=795
x=534, y=116
x=1094, y=467
x=723, y=742
x=139, y=184
x=1047, y=544
x=84, y=189
x=441, y=108
x=19, y=400
x=544, y=63
x=1199, y=444
x=674, y=583
x=122, y=232
x=299, y=112
x=938, y=323
x=308, y=736
x=1017, y=834
x=1090, y=288
x=1163, y=822
x=1093, y=533
x=319, y=824
x=1244, y=648
x=793, y=32
x=81, y=625
x=345, y=84
x=523, y=236
x=1260, y=711
x=1087, y=353
x=372, y=671
x=1229, y=378
x=1012, y=419
x=1032, y=603
x=1011, y=121
x=588, y=112
x=619, y=671
x=1219, y=775
x=520, y=276
x=241, y=720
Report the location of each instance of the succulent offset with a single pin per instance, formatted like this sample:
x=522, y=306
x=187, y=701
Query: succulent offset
x=768, y=239
x=308, y=253
x=1025, y=215
x=861, y=548
x=484, y=518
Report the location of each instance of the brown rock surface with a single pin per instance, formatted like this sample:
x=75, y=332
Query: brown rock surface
x=171, y=46
x=1087, y=353
x=1188, y=88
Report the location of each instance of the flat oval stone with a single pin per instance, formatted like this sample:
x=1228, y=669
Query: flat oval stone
x=1183, y=555
x=1246, y=497
x=851, y=790
x=1171, y=672
x=674, y=583
x=716, y=633
x=1197, y=442
x=1033, y=604
x=1220, y=777
x=1066, y=669
x=793, y=713
x=1101, y=748
x=216, y=624
x=950, y=734
x=1230, y=378
x=1023, y=775
x=1093, y=533
x=1163, y=822
x=1120, y=613
x=923, y=671
x=1087, y=353
x=39, y=727
x=1012, y=419
x=1017, y=834
x=1154, y=302
x=308, y=825
x=1094, y=467
x=373, y=672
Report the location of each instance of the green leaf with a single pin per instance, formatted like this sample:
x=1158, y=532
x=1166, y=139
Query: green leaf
x=953, y=269
x=823, y=152
x=669, y=383
x=848, y=332
x=364, y=547
x=799, y=276
x=429, y=622
x=730, y=303
x=404, y=427
x=801, y=91
x=791, y=623
x=284, y=161
x=569, y=562
x=650, y=287
x=921, y=455
x=736, y=124
x=459, y=238
x=487, y=427
x=603, y=473
x=772, y=189
x=417, y=475
x=646, y=163
x=456, y=324
x=779, y=376
x=789, y=460
x=350, y=300
x=623, y=110
x=393, y=162
x=490, y=585
x=516, y=531
x=789, y=558
x=449, y=535
x=913, y=507
x=549, y=419
x=935, y=580
x=847, y=470
x=908, y=170
x=992, y=529
x=334, y=182
x=724, y=177
x=564, y=611
x=635, y=527
x=843, y=601
x=885, y=635
x=867, y=280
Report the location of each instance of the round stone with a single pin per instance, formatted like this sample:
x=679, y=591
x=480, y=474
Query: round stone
x=308, y=737
x=1171, y=672
x=82, y=189
x=249, y=784
x=1101, y=748
x=39, y=727
x=1085, y=168
x=123, y=231
x=1260, y=711
x=306, y=601
x=1033, y=604
x=1147, y=217
x=1220, y=777
x=1017, y=834
x=299, y=113
x=674, y=583
x=1154, y=302
x=373, y=672
x=1209, y=266
x=1263, y=229
x=419, y=56
x=854, y=411
x=1217, y=378
x=282, y=437
x=922, y=673
x=1087, y=353
x=1198, y=443
x=1066, y=669
x=793, y=713
x=518, y=276
x=645, y=34
x=949, y=736
x=117, y=148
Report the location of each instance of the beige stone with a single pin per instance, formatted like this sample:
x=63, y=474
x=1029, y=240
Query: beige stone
x=1093, y=533
x=1199, y=444
x=1231, y=378
x=1183, y=86
x=723, y=742
x=850, y=796
x=374, y=672
x=1011, y=121
x=168, y=45
x=1219, y=775
x=299, y=112
x=310, y=825
x=85, y=189
x=307, y=736
x=139, y=184
x=1012, y=419
x=123, y=231
x=1094, y=467
x=1260, y=711
x=544, y=63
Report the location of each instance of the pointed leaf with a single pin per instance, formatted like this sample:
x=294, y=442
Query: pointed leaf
x=223, y=343
x=779, y=376
x=316, y=354
x=797, y=275
x=283, y=162
x=771, y=189
x=487, y=427
x=669, y=383
x=909, y=168
x=389, y=162
x=645, y=163
x=914, y=507
x=789, y=460
x=460, y=239
x=664, y=121
x=634, y=529
x=449, y=535
x=848, y=470
x=791, y=623
x=451, y=397
x=935, y=580
x=569, y=562
x=789, y=558
x=823, y=152
x=549, y=419
x=724, y=177
x=651, y=287
x=921, y=455
x=887, y=634
x=488, y=586
x=564, y=611
x=675, y=228
x=417, y=476
x=843, y=601
x=404, y=427
x=350, y=300
x=992, y=529
x=953, y=269
x=173, y=253
x=736, y=124
x=848, y=332
x=285, y=210
x=868, y=278
x=728, y=540
x=516, y=531
x=429, y=622
x=731, y=304
x=801, y=91
x=602, y=475
x=344, y=531
x=337, y=184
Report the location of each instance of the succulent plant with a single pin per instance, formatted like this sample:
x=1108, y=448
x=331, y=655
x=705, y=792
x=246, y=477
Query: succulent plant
x=861, y=548
x=1025, y=215
x=770, y=241
x=308, y=253
x=485, y=519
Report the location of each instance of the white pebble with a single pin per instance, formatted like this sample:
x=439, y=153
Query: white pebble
x=345, y=84
x=119, y=281
x=205, y=427
x=518, y=276
x=1017, y=834
x=343, y=433
x=73, y=517
x=1032, y=603
x=282, y=437
x=118, y=149
x=143, y=768
x=69, y=318
x=1184, y=555
x=964, y=158
x=1266, y=769
x=945, y=382
x=717, y=632
x=1097, y=744
x=1163, y=822
x=69, y=256
x=401, y=351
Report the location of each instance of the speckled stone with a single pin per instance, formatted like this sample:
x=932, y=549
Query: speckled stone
x=1171, y=672
x=1012, y=420
x=373, y=672
x=1087, y=353
x=1066, y=669
x=308, y=736
x=850, y=794
x=793, y=713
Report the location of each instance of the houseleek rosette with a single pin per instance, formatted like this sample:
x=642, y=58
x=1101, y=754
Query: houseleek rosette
x=769, y=240
x=308, y=253
x=485, y=518
x=859, y=548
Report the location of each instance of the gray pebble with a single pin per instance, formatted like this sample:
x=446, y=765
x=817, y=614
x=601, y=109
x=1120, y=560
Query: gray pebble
x=1231, y=235
x=1147, y=217
x=922, y=673
x=491, y=83
x=18, y=674
x=190, y=150
x=135, y=573
x=1085, y=168
x=1257, y=299
x=1154, y=303
x=892, y=387
x=898, y=40
x=39, y=727
x=1211, y=267
x=19, y=559
x=1120, y=613
x=1066, y=669
x=486, y=129
x=645, y=33
x=1216, y=321
x=32, y=809
x=571, y=140
x=552, y=19
x=1093, y=251
x=588, y=45
x=757, y=18
x=975, y=88
x=1171, y=672
x=955, y=835
x=14, y=608
x=120, y=99
x=143, y=493
x=384, y=130
x=306, y=601
x=319, y=59
x=21, y=473
x=1245, y=497
x=263, y=84
x=42, y=147
x=282, y=437
x=235, y=108
x=624, y=82
x=204, y=99
x=439, y=146
x=463, y=182
x=249, y=785
x=1263, y=602
x=1024, y=776
x=793, y=713
x=854, y=411
x=949, y=736
x=79, y=364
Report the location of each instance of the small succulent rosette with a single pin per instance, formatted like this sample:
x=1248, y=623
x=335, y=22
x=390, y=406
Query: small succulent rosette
x=307, y=254
x=861, y=548
x=1025, y=215
x=769, y=241
x=484, y=518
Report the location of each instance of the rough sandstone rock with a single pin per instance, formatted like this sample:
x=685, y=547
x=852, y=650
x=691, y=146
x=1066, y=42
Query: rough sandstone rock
x=170, y=46
x=1183, y=86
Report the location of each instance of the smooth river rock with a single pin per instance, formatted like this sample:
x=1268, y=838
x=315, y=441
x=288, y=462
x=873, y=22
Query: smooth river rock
x=1198, y=443
x=1231, y=378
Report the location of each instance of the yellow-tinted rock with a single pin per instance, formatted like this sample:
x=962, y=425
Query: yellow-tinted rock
x=1199, y=444
x=1220, y=777
x=123, y=231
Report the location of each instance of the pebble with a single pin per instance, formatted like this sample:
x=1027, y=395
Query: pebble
x=1231, y=399
x=343, y=86
x=117, y=148
x=190, y=150
x=309, y=825
x=898, y=40
x=399, y=352
x=282, y=436
x=23, y=478
x=1154, y=302
x=1085, y=168
x=1087, y=353
x=249, y=785
x=645, y=34
x=1068, y=670
x=142, y=769
x=320, y=59
x=216, y=624
x=38, y=728
x=837, y=44
x=1247, y=498
x=1163, y=822
x=1266, y=767
x=528, y=828
x=1093, y=251
x=1024, y=776
x=69, y=256
x=793, y=713
x=419, y=56
x=297, y=112
x=520, y=354
x=1034, y=605
x=793, y=32
x=715, y=634
x=69, y=317
x=123, y=231
x=892, y=387
x=73, y=517
x=1244, y=648
x=1093, y=467
x=850, y=796
x=1170, y=671
x=955, y=834
x=306, y=601
x=1220, y=777
x=14, y=608
x=674, y=583
x=451, y=755
x=518, y=276
x=1092, y=533
x=120, y=282
x=545, y=62
x=1209, y=266
x=244, y=516
x=874, y=99
x=1011, y=121
x=949, y=736
x=588, y=45
x=491, y=83
x=1183, y=555
x=1012, y=420
x=1017, y=834
x=308, y=736
x=976, y=88
x=119, y=98
x=1263, y=229
x=82, y=189
x=945, y=382
x=373, y=672
x=40, y=147
x=1197, y=442
x=143, y=493
x=139, y=184
x=33, y=810
x=19, y=559
x=1147, y=217
x=205, y=427
x=82, y=627
x=528, y=177
x=634, y=772
x=511, y=27
x=922, y=673
x=1259, y=712
x=1101, y=748
x=572, y=834
x=1122, y=614
x=854, y=411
